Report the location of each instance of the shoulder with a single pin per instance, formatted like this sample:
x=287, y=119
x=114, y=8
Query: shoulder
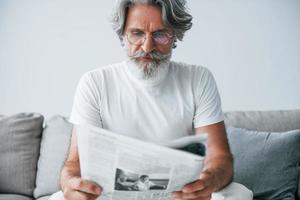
x=107, y=69
x=100, y=73
x=192, y=71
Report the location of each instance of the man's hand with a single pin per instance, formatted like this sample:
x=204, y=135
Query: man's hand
x=218, y=166
x=72, y=185
x=201, y=189
x=78, y=188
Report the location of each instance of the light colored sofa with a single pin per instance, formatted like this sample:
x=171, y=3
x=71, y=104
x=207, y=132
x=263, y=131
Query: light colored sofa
x=32, y=152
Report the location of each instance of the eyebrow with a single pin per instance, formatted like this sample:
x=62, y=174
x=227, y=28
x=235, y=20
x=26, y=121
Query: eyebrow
x=159, y=30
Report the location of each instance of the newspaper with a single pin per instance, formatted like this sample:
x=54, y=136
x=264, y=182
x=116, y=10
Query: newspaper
x=131, y=169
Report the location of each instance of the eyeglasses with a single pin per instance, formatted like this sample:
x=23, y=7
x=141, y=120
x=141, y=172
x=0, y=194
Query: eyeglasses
x=139, y=37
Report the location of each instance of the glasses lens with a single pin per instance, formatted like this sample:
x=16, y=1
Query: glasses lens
x=135, y=37
x=161, y=37
x=138, y=38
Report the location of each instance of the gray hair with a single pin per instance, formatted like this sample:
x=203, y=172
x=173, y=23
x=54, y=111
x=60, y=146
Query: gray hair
x=174, y=15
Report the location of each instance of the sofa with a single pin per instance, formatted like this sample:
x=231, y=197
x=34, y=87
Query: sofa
x=265, y=146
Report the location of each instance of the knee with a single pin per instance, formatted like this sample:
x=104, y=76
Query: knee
x=242, y=192
x=57, y=196
x=236, y=191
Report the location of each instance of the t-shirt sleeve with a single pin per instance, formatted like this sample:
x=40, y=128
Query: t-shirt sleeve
x=208, y=102
x=86, y=104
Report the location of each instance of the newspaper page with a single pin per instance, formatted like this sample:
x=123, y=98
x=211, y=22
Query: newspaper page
x=131, y=169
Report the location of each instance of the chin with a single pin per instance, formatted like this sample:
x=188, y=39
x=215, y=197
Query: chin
x=145, y=60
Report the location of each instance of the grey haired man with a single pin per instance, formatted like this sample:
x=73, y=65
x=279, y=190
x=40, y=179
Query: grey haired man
x=153, y=98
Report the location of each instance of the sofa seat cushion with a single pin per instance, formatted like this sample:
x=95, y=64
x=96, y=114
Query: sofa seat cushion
x=266, y=162
x=19, y=146
x=14, y=197
x=44, y=197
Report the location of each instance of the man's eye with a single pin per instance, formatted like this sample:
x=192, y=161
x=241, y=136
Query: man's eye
x=159, y=35
x=137, y=33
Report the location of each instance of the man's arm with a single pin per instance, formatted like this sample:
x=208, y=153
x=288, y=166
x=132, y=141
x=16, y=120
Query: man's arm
x=218, y=160
x=218, y=167
x=72, y=185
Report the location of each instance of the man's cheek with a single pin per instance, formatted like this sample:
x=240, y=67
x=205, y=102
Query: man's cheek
x=132, y=50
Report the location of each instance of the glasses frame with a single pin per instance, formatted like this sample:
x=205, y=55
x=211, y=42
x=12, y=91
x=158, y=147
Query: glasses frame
x=169, y=35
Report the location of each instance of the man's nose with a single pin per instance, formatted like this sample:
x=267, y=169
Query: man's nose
x=148, y=45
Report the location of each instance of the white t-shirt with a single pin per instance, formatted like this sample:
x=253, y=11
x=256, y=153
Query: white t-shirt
x=115, y=97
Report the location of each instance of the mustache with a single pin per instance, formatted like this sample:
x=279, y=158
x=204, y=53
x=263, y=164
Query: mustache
x=156, y=56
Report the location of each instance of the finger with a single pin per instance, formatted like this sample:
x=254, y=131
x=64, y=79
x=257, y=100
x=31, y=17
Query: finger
x=204, y=181
x=176, y=195
x=202, y=194
x=205, y=175
x=195, y=186
x=86, y=186
x=70, y=194
x=197, y=198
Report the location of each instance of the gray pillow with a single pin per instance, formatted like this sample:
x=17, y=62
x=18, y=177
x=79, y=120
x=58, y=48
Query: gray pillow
x=19, y=146
x=266, y=162
x=14, y=197
x=54, y=148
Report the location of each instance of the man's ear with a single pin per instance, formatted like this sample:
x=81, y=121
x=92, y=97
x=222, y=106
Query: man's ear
x=174, y=45
x=122, y=40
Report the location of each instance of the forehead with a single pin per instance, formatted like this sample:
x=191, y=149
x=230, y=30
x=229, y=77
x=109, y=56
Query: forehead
x=144, y=17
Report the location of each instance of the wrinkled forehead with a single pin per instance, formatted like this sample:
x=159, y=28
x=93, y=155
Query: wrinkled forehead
x=144, y=17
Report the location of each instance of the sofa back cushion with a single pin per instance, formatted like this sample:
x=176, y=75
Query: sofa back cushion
x=266, y=162
x=270, y=121
x=54, y=148
x=19, y=146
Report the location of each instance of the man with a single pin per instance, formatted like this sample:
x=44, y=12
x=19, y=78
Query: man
x=122, y=182
x=144, y=184
x=151, y=98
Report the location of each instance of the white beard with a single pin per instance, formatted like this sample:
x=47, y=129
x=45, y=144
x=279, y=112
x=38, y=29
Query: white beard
x=149, y=70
